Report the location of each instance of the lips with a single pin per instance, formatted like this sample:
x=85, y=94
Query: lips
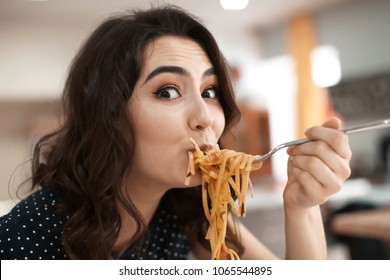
x=203, y=144
x=205, y=147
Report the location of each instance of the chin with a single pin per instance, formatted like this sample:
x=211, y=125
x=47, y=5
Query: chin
x=194, y=180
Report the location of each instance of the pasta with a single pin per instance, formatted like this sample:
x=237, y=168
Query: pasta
x=225, y=175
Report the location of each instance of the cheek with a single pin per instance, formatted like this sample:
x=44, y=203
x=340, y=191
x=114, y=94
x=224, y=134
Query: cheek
x=156, y=122
x=219, y=122
x=157, y=150
x=158, y=131
x=153, y=133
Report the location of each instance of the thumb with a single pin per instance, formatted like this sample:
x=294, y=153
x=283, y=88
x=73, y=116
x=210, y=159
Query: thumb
x=332, y=123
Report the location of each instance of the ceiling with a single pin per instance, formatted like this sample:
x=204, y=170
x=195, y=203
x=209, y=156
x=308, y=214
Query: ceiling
x=258, y=14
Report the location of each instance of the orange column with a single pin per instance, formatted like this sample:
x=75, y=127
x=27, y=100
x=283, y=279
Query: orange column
x=312, y=101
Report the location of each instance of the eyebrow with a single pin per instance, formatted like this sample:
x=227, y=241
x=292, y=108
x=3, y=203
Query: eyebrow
x=176, y=70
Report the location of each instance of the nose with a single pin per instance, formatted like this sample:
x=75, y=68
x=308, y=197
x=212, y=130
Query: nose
x=200, y=117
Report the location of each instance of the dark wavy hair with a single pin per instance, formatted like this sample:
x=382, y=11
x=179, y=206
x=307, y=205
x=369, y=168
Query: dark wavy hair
x=87, y=159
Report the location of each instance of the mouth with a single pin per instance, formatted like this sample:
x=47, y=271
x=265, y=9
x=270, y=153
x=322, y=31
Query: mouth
x=205, y=147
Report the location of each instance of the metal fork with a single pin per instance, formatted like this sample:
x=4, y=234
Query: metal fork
x=349, y=130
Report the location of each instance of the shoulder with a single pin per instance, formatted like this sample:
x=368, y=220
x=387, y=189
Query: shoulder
x=32, y=229
x=37, y=210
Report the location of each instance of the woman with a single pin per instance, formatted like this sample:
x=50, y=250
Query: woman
x=110, y=183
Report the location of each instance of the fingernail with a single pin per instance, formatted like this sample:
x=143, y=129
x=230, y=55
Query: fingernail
x=307, y=131
x=291, y=158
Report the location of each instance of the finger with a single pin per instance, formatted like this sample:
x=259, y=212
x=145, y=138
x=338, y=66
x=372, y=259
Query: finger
x=321, y=173
x=320, y=149
x=336, y=139
x=334, y=123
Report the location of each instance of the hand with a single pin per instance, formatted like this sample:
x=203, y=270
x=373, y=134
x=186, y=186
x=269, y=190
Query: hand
x=317, y=169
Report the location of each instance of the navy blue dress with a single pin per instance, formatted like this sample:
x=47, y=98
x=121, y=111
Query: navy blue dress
x=32, y=230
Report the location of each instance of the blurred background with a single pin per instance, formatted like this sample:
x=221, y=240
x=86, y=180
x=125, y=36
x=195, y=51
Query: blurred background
x=295, y=63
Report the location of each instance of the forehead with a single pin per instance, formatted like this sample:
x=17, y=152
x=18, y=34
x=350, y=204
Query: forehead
x=172, y=49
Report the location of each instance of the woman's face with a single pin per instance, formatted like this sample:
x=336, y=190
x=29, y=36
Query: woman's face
x=175, y=98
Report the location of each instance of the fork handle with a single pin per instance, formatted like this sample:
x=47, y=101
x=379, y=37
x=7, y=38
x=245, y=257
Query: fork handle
x=367, y=126
x=350, y=130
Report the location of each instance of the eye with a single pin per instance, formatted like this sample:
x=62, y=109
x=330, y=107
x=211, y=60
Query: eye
x=168, y=92
x=210, y=93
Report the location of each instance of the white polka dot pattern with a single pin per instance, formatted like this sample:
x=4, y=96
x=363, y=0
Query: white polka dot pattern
x=32, y=230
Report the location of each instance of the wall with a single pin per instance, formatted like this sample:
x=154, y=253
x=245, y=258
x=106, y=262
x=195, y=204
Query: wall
x=21, y=123
x=361, y=33
x=359, y=30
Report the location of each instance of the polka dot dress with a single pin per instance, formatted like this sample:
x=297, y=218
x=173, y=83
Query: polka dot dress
x=32, y=230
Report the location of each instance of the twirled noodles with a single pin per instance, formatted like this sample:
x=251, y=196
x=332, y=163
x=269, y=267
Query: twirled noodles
x=225, y=175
